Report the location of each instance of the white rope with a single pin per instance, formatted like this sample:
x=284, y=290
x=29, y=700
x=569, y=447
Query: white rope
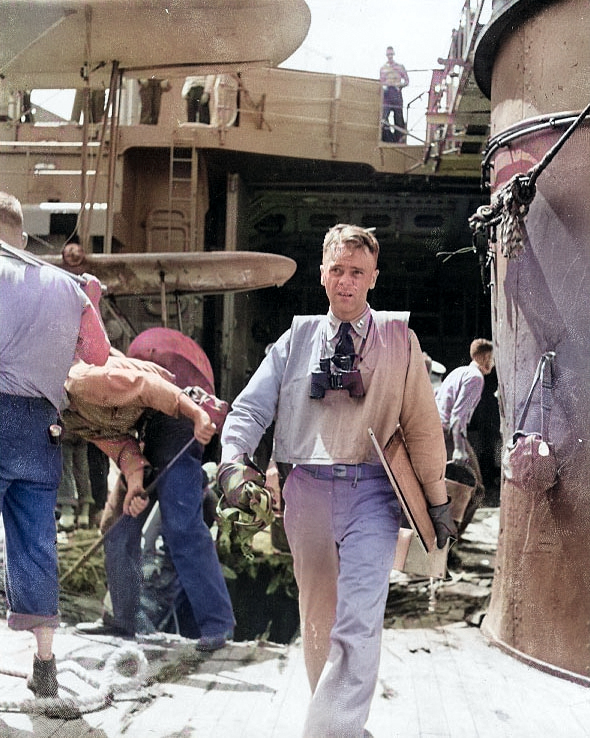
x=106, y=683
x=118, y=682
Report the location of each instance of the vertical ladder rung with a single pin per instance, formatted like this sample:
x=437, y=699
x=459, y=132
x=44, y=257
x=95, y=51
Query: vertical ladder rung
x=182, y=156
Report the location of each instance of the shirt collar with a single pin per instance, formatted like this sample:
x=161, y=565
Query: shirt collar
x=361, y=326
x=475, y=365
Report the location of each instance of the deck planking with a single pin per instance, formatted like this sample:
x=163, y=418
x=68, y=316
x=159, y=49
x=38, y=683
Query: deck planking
x=445, y=682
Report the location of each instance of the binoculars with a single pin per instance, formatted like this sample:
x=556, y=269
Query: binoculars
x=343, y=377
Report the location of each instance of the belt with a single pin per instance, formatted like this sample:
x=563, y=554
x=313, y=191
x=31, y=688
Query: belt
x=344, y=471
x=34, y=403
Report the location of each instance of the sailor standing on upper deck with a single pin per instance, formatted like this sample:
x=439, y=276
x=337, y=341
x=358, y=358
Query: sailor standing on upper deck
x=393, y=78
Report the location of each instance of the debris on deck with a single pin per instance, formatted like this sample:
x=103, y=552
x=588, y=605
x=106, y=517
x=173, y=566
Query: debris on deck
x=439, y=678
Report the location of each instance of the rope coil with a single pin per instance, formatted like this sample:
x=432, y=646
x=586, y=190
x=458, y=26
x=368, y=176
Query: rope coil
x=110, y=682
x=504, y=217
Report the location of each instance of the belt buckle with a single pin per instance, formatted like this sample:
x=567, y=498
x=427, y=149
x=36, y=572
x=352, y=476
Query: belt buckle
x=339, y=470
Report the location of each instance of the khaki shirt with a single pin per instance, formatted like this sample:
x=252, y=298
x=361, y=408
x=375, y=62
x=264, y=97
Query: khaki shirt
x=106, y=403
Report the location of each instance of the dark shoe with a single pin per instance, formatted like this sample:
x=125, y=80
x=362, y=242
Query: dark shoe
x=210, y=643
x=43, y=681
x=100, y=627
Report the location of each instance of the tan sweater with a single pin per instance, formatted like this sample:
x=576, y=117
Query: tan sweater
x=107, y=401
x=334, y=430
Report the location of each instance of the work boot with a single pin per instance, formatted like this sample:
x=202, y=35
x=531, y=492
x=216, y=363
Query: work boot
x=43, y=681
x=67, y=519
x=210, y=643
x=84, y=516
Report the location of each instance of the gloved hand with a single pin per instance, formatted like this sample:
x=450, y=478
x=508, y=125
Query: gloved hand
x=215, y=408
x=444, y=525
x=241, y=481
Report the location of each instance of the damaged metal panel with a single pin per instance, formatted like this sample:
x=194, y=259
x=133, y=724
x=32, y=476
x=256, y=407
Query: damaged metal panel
x=540, y=604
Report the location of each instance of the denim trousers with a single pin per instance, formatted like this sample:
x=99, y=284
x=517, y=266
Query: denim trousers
x=30, y=470
x=193, y=552
x=341, y=523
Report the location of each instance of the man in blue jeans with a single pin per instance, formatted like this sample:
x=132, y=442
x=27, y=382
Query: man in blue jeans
x=188, y=539
x=186, y=535
x=46, y=320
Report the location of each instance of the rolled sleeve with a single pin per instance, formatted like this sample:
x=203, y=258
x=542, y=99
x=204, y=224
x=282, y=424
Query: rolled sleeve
x=93, y=344
x=466, y=401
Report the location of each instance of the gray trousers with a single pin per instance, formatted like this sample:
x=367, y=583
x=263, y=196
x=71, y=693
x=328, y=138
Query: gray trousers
x=74, y=488
x=342, y=523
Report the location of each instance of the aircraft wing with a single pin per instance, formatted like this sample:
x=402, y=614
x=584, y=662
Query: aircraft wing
x=200, y=272
x=45, y=43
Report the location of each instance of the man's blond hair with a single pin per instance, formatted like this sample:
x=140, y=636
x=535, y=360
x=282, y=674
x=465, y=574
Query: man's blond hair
x=11, y=212
x=350, y=235
x=479, y=347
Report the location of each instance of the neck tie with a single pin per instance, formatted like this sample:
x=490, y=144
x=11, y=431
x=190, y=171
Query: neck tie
x=345, y=345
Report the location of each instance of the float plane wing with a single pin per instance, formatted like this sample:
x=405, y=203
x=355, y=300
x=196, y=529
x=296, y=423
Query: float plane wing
x=201, y=272
x=47, y=43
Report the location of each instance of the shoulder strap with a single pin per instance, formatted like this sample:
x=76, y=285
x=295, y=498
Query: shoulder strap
x=546, y=394
x=544, y=373
x=300, y=320
x=384, y=316
x=33, y=260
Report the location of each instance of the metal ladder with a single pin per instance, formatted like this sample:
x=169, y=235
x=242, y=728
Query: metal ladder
x=182, y=192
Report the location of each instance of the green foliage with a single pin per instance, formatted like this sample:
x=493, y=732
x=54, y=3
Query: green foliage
x=252, y=556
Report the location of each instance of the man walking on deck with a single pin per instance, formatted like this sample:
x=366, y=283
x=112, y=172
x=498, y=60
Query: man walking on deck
x=456, y=399
x=393, y=78
x=326, y=381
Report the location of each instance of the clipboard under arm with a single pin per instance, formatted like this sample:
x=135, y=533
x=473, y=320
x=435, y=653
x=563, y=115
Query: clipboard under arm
x=422, y=556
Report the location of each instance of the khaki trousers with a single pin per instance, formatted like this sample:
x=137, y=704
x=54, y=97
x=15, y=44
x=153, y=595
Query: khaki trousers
x=342, y=523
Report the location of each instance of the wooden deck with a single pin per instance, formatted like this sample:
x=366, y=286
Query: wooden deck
x=443, y=682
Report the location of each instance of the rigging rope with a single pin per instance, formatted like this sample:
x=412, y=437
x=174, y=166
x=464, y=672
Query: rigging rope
x=111, y=681
x=505, y=215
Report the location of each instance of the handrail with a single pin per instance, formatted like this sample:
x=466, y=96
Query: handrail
x=448, y=83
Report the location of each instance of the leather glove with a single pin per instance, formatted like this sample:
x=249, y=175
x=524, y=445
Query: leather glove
x=241, y=481
x=444, y=525
x=215, y=408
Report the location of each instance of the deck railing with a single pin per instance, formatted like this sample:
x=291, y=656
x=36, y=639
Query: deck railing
x=448, y=83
